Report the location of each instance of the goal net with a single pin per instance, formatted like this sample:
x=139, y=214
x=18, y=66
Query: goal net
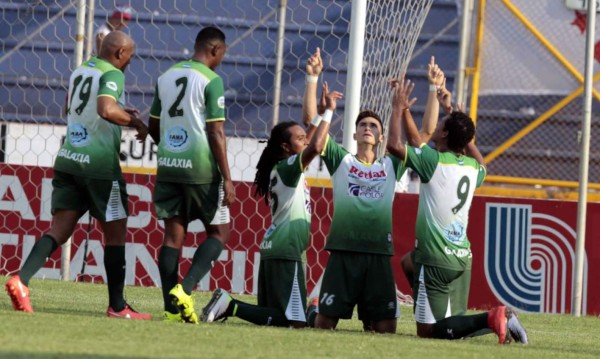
x=37, y=58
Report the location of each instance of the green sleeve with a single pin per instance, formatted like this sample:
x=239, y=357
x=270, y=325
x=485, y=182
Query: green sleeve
x=156, y=108
x=399, y=167
x=423, y=161
x=481, y=175
x=112, y=84
x=215, y=100
x=332, y=155
x=290, y=170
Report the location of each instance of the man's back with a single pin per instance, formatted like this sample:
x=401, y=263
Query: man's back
x=92, y=144
x=189, y=95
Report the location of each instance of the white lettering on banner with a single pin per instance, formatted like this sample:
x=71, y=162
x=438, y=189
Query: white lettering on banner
x=73, y=156
x=20, y=203
x=174, y=162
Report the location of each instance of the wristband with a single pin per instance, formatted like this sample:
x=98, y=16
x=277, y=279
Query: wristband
x=312, y=79
x=316, y=120
x=327, y=116
x=433, y=88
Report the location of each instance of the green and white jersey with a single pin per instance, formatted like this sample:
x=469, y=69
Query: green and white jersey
x=91, y=148
x=448, y=182
x=363, y=195
x=287, y=237
x=188, y=95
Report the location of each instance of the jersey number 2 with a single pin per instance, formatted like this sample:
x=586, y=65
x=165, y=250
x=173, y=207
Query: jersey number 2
x=174, y=110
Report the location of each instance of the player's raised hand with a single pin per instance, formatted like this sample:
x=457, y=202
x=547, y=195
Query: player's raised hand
x=322, y=105
x=331, y=99
x=444, y=97
x=402, y=90
x=435, y=75
x=314, y=65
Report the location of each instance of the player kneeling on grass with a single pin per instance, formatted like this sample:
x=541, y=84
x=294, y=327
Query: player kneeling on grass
x=280, y=180
x=442, y=257
x=87, y=174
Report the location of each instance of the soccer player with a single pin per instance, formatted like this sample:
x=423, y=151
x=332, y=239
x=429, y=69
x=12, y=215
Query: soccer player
x=280, y=180
x=87, y=173
x=359, y=270
x=442, y=259
x=118, y=21
x=193, y=180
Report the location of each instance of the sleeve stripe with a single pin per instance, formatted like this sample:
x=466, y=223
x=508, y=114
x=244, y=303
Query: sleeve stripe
x=154, y=116
x=107, y=95
x=215, y=119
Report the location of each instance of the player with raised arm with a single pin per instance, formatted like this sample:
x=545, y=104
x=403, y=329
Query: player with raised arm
x=280, y=180
x=449, y=175
x=193, y=179
x=87, y=172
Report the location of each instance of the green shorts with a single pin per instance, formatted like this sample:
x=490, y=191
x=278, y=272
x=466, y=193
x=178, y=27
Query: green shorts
x=362, y=279
x=191, y=201
x=281, y=285
x=439, y=293
x=105, y=199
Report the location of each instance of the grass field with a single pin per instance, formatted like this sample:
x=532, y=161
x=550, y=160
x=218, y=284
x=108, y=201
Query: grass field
x=70, y=322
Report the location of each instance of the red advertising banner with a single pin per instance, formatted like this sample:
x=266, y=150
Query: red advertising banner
x=523, y=249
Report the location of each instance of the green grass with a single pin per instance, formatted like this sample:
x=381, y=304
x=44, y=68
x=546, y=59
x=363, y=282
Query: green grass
x=70, y=322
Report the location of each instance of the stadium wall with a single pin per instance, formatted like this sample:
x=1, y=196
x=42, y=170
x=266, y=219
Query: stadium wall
x=523, y=249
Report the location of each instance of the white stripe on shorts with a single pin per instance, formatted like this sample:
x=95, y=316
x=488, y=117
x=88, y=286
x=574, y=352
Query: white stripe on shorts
x=295, y=309
x=114, y=205
x=222, y=213
x=423, y=313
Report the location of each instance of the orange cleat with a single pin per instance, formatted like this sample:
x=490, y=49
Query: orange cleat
x=497, y=322
x=127, y=313
x=19, y=294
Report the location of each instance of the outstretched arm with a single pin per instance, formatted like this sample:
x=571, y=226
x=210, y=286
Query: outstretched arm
x=314, y=67
x=318, y=141
x=401, y=117
x=436, y=79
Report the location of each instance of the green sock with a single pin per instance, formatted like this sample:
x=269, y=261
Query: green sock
x=459, y=326
x=257, y=315
x=203, y=261
x=168, y=266
x=42, y=249
x=114, y=264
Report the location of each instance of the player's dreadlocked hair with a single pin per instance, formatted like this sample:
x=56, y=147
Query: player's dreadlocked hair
x=460, y=129
x=272, y=154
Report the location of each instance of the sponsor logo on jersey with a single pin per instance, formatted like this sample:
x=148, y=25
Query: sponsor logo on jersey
x=176, y=139
x=91, y=64
x=418, y=151
x=78, y=135
x=363, y=191
x=355, y=172
x=112, y=85
x=460, y=253
x=74, y=156
x=455, y=232
x=221, y=102
x=264, y=245
x=186, y=66
x=174, y=162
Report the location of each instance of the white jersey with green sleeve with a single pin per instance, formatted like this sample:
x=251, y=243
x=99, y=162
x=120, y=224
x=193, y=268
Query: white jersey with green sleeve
x=363, y=195
x=188, y=95
x=91, y=148
x=287, y=237
x=448, y=182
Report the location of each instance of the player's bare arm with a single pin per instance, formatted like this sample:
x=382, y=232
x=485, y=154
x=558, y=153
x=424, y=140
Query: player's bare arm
x=436, y=79
x=218, y=145
x=317, y=143
x=314, y=67
x=401, y=104
x=110, y=110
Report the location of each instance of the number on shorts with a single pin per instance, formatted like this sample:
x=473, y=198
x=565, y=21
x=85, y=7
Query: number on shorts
x=462, y=192
x=174, y=110
x=327, y=299
x=84, y=93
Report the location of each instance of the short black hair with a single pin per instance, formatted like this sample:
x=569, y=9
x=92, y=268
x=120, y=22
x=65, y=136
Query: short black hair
x=461, y=131
x=368, y=113
x=208, y=35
